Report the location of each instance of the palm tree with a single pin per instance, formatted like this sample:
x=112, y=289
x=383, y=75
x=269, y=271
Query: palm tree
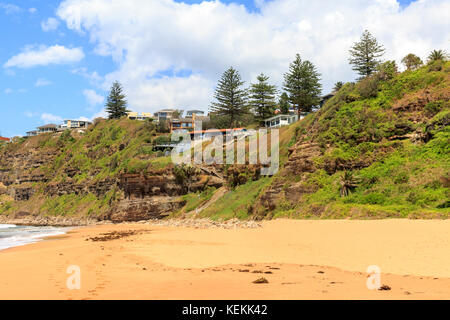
x=436, y=55
x=338, y=85
x=348, y=183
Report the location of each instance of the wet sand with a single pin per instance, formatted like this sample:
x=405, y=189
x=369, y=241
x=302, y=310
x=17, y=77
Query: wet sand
x=299, y=259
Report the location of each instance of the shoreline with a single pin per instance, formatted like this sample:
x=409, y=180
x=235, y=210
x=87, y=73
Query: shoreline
x=300, y=259
x=61, y=221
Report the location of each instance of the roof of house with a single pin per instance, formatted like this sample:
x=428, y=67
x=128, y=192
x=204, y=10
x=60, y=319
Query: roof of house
x=195, y=111
x=279, y=116
x=166, y=110
x=78, y=120
x=5, y=139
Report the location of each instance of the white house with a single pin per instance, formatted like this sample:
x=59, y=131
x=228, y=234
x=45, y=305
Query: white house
x=280, y=120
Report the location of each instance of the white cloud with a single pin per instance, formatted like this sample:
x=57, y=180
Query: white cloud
x=32, y=10
x=92, y=97
x=51, y=118
x=43, y=56
x=10, y=8
x=8, y=91
x=93, y=77
x=30, y=114
x=145, y=38
x=50, y=24
x=41, y=82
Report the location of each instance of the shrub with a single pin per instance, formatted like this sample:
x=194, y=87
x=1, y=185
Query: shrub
x=374, y=198
x=163, y=126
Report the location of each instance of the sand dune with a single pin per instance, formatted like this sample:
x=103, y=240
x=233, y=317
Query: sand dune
x=300, y=260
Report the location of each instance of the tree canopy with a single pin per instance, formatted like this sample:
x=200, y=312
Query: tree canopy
x=116, y=105
x=365, y=55
x=412, y=62
x=302, y=84
x=436, y=55
x=230, y=97
x=262, y=97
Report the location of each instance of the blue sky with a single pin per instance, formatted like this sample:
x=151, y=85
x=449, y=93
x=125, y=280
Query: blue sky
x=31, y=96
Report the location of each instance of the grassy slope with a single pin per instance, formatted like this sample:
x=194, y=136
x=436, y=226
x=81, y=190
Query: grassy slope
x=396, y=178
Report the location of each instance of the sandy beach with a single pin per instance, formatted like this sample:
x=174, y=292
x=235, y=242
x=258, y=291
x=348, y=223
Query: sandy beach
x=299, y=259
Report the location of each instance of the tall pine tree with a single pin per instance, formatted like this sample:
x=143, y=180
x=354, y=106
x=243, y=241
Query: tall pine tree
x=365, y=54
x=302, y=83
x=230, y=97
x=116, y=105
x=262, y=98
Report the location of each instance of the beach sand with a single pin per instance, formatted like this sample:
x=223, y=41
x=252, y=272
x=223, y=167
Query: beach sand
x=299, y=259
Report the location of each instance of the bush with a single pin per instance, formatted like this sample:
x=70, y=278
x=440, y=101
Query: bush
x=368, y=87
x=433, y=108
x=374, y=198
x=162, y=140
x=387, y=70
x=436, y=66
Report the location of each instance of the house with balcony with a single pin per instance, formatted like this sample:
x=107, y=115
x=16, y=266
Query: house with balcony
x=185, y=124
x=166, y=114
x=188, y=124
x=140, y=116
x=75, y=124
x=48, y=128
x=32, y=133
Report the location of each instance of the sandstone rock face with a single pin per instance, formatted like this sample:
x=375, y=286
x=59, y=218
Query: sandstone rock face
x=302, y=156
x=150, y=195
x=156, y=194
x=146, y=208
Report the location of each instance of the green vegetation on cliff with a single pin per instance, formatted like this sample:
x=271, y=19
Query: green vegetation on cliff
x=385, y=141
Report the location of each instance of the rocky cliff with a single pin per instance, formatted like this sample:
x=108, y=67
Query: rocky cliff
x=44, y=178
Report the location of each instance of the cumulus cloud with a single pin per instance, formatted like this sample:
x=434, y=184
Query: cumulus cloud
x=50, y=24
x=147, y=38
x=43, y=56
x=41, y=82
x=32, y=10
x=48, y=117
x=92, y=97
